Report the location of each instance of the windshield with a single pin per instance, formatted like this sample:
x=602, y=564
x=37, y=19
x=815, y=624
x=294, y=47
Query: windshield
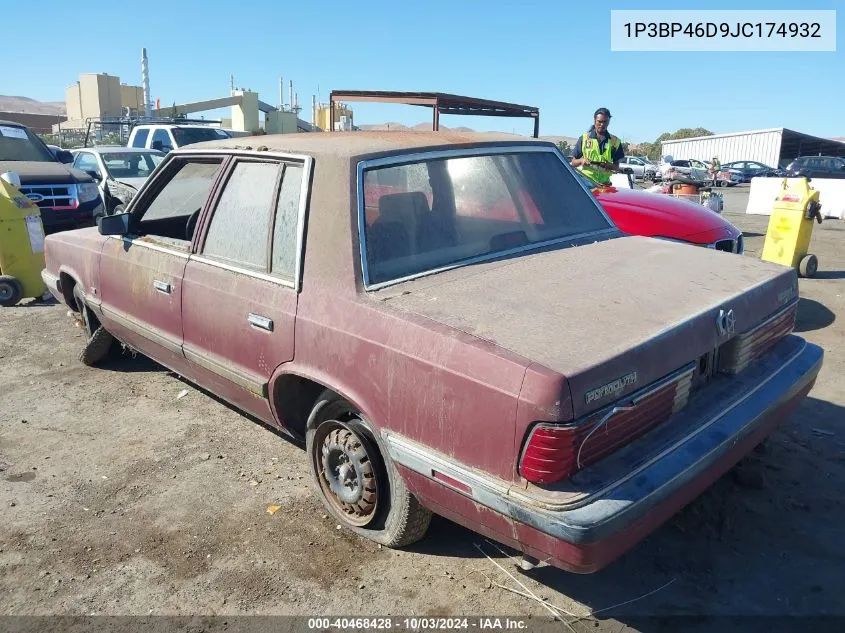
x=435, y=213
x=131, y=164
x=17, y=143
x=188, y=135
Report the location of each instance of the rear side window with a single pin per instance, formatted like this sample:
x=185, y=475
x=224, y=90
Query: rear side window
x=140, y=139
x=161, y=141
x=239, y=233
x=287, y=222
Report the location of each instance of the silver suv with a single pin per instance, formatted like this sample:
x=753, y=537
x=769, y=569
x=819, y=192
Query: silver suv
x=638, y=167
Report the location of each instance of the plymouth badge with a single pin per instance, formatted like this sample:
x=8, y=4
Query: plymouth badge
x=726, y=322
x=611, y=388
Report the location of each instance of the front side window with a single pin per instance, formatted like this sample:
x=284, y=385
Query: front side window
x=175, y=208
x=87, y=162
x=240, y=227
x=447, y=210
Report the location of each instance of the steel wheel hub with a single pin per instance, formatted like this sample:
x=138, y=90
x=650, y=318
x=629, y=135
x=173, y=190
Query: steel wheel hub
x=346, y=473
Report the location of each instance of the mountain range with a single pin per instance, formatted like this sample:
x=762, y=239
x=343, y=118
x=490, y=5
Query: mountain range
x=31, y=106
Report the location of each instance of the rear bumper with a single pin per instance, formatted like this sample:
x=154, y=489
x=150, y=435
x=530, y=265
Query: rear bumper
x=632, y=492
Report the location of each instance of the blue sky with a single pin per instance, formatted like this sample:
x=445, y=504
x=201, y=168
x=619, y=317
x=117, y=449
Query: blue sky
x=548, y=53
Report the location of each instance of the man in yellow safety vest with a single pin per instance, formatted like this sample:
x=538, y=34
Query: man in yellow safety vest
x=597, y=152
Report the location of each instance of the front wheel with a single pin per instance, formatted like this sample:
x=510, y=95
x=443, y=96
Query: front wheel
x=100, y=342
x=357, y=481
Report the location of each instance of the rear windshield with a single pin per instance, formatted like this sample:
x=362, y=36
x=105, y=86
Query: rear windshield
x=431, y=214
x=131, y=164
x=17, y=143
x=188, y=135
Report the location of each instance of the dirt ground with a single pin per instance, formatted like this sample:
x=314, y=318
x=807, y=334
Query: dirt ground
x=126, y=491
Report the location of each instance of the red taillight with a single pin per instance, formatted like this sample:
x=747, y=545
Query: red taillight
x=555, y=452
x=550, y=454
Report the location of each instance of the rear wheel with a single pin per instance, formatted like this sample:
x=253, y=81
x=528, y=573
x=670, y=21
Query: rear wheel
x=100, y=343
x=11, y=291
x=357, y=481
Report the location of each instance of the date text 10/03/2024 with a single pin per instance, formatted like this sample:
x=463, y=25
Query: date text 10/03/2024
x=724, y=29
x=417, y=624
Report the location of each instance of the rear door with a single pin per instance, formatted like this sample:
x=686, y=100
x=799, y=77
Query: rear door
x=240, y=287
x=141, y=274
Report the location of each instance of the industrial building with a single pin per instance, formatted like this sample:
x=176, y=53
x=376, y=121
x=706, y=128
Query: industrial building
x=775, y=147
x=100, y=95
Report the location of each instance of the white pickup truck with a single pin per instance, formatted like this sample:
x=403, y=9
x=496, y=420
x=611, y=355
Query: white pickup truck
x=165, y=137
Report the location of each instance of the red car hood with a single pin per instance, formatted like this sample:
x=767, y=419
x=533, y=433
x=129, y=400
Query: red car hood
x=655, y=214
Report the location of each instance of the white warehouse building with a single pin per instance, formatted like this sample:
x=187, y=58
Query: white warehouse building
x=775, y=147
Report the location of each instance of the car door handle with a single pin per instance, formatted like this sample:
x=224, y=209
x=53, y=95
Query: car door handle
x=162, y=286
x=260, y=321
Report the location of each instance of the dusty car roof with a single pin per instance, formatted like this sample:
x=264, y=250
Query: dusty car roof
x=353, y=144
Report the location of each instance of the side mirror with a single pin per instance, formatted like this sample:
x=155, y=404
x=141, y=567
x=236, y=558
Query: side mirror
x=94, y=174
x=64, y=156
x=117, y=224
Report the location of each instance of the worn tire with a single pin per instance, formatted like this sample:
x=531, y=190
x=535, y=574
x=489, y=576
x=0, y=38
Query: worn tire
x=118, y=208
x=11, y=291
x=399, y=519
x=100, y=343
x=808, y=266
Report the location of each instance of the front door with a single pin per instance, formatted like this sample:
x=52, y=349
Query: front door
x=141, y=275
x=240, y=288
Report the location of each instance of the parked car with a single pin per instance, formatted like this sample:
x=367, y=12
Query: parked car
x=638, y=167
x=817, y=167
x=68, y=198
x=752, y=169
x=729, y=177
x=164, y=137
x=659, y=215
x=694, y=170
x=119, y=171
x=486, y=344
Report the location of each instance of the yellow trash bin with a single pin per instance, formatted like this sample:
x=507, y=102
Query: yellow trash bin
x=21, y=245
x=791, y=227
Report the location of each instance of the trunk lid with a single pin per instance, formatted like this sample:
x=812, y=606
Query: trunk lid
x=612, y=316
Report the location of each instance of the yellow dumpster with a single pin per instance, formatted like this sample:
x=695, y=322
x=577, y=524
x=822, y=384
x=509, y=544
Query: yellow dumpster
x=791, y=227
x=21, y=244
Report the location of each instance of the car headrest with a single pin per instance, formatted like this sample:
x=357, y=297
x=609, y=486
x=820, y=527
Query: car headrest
x=405, y=208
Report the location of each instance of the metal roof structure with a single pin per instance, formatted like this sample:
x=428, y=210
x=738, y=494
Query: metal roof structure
x=440, y=103
x=771, y=146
